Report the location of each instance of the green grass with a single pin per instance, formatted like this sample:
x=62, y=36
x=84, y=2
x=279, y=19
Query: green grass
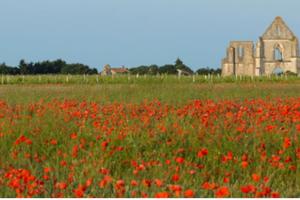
x=36, y=108
x=142, y=79
x=165, y=92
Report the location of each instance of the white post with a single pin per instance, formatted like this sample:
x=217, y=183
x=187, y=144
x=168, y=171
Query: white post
x=194, y=79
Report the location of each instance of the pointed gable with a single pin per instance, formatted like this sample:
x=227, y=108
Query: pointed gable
x=278, y=30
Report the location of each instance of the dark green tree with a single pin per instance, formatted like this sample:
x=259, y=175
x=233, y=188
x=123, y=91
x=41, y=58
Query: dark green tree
x=180, y=65
x=207, y=70
x=153, y=70
x=23, y=67
x=141, y=70
x=4, y=69
x=167, y=69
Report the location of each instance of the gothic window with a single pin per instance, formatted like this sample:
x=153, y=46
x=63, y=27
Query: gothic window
x=240, y=52
x=278, y=54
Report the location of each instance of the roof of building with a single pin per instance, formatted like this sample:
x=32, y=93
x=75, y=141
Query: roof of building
x=278, y=30
x=119, y=70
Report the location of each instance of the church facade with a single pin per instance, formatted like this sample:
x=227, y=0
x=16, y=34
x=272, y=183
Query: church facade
x=276, y=50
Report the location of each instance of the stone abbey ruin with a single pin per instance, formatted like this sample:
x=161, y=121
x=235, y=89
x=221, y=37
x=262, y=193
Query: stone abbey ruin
x=277, y=50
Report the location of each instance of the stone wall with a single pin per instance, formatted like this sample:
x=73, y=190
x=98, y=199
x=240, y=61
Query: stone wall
x=240, y=59
x=277, y=48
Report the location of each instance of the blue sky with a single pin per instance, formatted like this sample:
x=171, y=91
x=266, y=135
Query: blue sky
x=134, y=32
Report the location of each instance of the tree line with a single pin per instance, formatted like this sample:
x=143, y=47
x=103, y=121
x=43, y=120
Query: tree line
x=47, y=67
x=172, y=69
x=62, y=67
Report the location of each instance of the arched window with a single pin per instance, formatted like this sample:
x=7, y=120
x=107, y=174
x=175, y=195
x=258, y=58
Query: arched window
x=278, y=54
x=240, y=51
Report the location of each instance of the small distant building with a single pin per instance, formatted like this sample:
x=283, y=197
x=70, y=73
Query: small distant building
x=108, y=70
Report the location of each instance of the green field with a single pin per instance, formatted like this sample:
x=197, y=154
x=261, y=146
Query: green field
x=149, y=136
x=178, y=92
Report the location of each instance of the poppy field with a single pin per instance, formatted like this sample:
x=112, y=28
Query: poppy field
x=150, y=141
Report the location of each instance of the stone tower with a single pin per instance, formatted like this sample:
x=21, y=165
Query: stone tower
x=277, y=49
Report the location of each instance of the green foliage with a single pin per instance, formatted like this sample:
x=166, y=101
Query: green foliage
x=165, y=69
x=206, y=71
x=139, y=70
x=47, y=67
x=4, y=69
x=289, y=73
x=179, y=65
x=168, y=69
x=153, y=70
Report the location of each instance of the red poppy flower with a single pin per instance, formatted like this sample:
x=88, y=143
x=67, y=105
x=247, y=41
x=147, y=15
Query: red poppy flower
x=158, y=182
x=79, y=191
x=248, y=189
x=287, y=143
x=133, y=183
x=222, y=192
x=244, y=164
x=275, y=195
x=255, y=177
x=61, y=185
x=189, y=193
x=203, y=152
x=162, y=195
x=179, y=160
x=175, y=177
